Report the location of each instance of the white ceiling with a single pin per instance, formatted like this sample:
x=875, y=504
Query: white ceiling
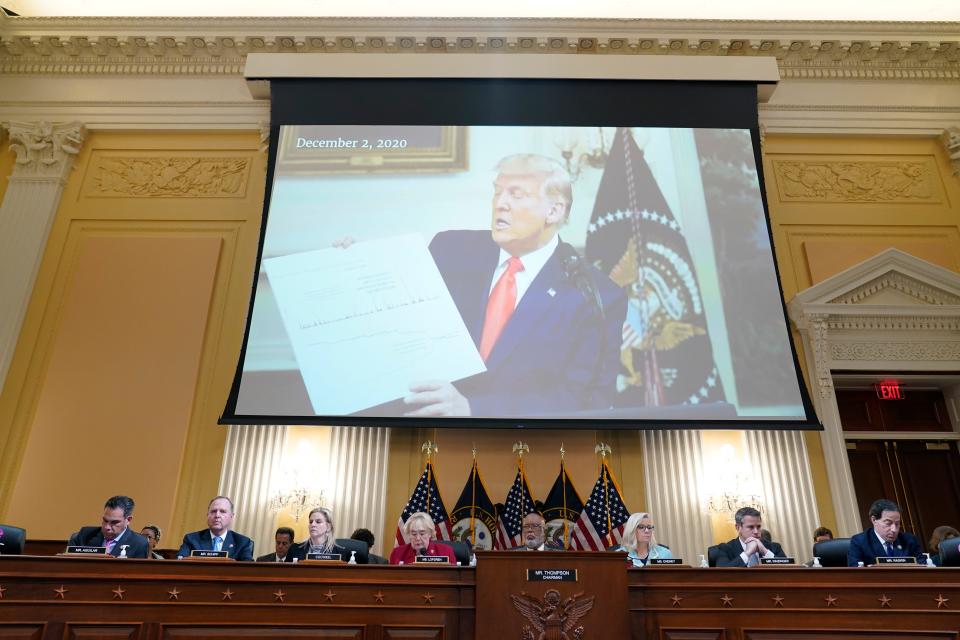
x=845, y=10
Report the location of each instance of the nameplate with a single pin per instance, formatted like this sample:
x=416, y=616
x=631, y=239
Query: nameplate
x=897, y=560
x=660, y=562
x=551, y=575
x=82, y=550
x=432, y=560
x=774, y=561
x=324, y=557
x=209, y=555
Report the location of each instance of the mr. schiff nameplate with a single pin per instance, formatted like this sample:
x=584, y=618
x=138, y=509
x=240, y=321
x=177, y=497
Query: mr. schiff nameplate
x=205, y=554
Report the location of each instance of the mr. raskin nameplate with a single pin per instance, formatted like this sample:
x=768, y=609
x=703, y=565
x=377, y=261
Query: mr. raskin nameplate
x=899, y=560
x=551, y=575
x=660, y=562
x=83, y=550
x=432, y=560
x=209, y=554
x=775, y=561
x=324, y=557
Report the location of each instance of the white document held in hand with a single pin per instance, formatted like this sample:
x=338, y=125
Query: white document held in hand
x=368, y=320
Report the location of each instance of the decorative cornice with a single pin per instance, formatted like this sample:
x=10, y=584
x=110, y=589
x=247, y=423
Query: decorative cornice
x=896, y=281
x=856, y=181
x=896, y=351
x=126, y=46
x=152, y=177
x=44, y=150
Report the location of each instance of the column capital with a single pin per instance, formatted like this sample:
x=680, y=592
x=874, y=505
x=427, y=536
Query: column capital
x=950, y=138
x=44, y=150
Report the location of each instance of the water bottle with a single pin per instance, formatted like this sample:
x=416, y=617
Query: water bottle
x=353, y=557
x=703, y=561
x=860, y=563
x=816, y=563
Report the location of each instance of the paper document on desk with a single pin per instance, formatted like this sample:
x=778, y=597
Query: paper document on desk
x=368, y=320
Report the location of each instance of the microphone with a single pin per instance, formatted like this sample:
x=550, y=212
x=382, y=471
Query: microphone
x=422, y=551
x=577, y=271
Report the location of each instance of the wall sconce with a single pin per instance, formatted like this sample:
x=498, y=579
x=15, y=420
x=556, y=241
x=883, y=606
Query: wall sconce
x=297, y=501
x=595, y=155
x=733, y=483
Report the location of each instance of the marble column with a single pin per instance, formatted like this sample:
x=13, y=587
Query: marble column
x=358, y=473
x=45, y=154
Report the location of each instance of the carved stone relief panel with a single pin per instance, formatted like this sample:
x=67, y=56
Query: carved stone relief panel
x=857, y=180
x=164, y=177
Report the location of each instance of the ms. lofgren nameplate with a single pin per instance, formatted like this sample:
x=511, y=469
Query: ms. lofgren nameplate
x=551, y=575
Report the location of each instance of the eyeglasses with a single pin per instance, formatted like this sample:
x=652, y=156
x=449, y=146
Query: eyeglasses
x=645, y=527
x=532, y=527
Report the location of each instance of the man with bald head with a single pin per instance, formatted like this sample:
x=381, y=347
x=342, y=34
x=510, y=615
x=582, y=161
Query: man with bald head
x=547, y=324
x=218, y=536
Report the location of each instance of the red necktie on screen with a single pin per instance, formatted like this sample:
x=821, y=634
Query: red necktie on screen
x=500, y=306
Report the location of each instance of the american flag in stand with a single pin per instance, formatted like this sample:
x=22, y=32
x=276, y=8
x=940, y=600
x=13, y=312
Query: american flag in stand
x=518, y=504
x=603, y=516
x=426, y=497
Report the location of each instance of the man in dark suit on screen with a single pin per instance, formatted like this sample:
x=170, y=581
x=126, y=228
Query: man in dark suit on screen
x=218, y=536
x=747, y=549
x=114, y=531
x=547, y=324
x=884, y=539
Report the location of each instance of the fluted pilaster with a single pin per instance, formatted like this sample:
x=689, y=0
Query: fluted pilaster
x=358, y=471
x=251, y=457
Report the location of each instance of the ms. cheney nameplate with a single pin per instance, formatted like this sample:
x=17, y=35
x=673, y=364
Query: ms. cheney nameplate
x=378, y=310
x=551, y=575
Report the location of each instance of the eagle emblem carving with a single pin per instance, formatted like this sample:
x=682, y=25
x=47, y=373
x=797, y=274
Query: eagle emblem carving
x=553, y=618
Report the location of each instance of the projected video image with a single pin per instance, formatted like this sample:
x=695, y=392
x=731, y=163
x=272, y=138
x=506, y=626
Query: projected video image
x=517, y=272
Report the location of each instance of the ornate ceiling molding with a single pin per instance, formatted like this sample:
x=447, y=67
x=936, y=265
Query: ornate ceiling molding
x=177, y=46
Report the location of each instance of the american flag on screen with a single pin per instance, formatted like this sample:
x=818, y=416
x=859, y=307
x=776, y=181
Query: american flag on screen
x=426, y=498
x=518, y=504
x=601, y=522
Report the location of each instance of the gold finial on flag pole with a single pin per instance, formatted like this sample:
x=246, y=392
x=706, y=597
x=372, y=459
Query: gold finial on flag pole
x=562, y=451
x=474, y=450
x=429, y=447
x=603, y=449
x=520, y=448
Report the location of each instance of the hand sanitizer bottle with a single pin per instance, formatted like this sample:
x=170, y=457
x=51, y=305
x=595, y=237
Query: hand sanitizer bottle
x=816, y=563
x=703, y=561
x=473, y=559
x=860, y=563
x=929, y=560
x=123, y=551
x=353, y=557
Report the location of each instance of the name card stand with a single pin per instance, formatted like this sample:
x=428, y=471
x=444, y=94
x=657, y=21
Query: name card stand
x=551, y=575
x=898, y=561
x=441, y=560
x=667, y=562
x=323, y=558
x=204, y=554
x=86, y=551
x=777, y=562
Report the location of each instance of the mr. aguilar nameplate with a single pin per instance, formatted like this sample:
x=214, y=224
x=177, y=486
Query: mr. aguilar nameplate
x=551, y=575
x=776, y=561
x=896, y=561
x=661, y=562
x=83, y=550
x=209, y=554
x=324, y=557
x=432, y=560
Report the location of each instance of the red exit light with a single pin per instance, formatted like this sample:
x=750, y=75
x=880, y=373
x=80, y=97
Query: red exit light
x=889, y=390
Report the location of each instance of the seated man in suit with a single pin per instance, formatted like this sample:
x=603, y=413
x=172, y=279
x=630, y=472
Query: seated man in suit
x=366, y=536
x=747, y=548
x=218, y=536
x=535, y=534
x=114, y=531
x=283, y=538
x=884, y=538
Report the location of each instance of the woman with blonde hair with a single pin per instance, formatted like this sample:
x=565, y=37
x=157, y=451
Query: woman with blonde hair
x=321, y=538
x=419, y=529
x=639, y=542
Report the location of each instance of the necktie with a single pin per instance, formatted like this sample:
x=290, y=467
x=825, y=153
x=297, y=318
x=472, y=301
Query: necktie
x=754, y=560
x=889, y=548
x=109, y=545
x=500, y=306
x=217, y=543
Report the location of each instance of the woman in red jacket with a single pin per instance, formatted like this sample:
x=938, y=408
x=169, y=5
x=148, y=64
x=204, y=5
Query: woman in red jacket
x=419, y=530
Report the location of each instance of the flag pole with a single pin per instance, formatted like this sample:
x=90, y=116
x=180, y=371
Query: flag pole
x=473, y=498
x=603, y=449
x=563, y=492
x=429, y=447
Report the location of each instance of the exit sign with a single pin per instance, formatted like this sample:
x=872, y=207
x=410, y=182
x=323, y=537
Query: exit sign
x=889, y=390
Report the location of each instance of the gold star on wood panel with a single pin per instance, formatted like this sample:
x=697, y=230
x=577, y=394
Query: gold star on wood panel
x=330, y=595
x=676, y=599
x=831, y=600
x=61, y=592
x=227, y=595
x=174, y=594
x=118, y=593
x=941, y=601
x=777, y=600
x=727, y=600
x=884, y=601
x=279, y=595
x=379, y=596
x=428, y=598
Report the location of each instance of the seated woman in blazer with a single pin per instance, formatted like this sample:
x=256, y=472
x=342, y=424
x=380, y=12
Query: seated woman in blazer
x=420, y=530
x=321, y=538
x=639, y=542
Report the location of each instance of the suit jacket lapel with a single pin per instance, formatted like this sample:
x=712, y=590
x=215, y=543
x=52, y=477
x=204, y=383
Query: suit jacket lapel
x=206, y=540
x=534, y=304
x=228, y=543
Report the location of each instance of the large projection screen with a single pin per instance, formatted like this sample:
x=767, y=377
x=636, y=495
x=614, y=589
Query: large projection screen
x=516, y=252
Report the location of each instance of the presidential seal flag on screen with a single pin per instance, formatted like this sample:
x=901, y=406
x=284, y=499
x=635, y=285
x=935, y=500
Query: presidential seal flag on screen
x=474, y=517
x=519, y=503
x=634, y=237
x=601, y=522
x=426, y=498
x=561, y=509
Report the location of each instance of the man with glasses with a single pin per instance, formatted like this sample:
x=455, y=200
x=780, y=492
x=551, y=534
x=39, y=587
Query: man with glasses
x=884, y=539
x=535, y=534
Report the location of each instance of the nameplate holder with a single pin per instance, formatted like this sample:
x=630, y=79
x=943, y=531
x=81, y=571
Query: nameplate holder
x=896, y=561
x=324, y=557
x=551, y=575
x=85, y=550
x=432, y=560
x=665, y=562
x=766, y=562
x=205, y=554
